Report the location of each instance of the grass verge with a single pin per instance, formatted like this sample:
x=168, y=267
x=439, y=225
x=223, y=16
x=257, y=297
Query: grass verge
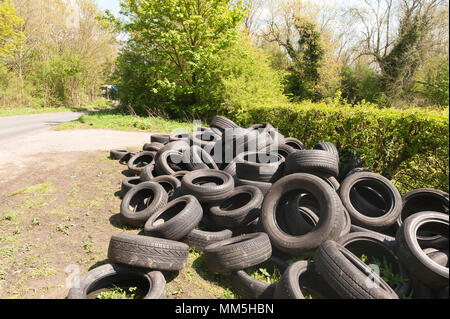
x=99, y=104
x=113, y=119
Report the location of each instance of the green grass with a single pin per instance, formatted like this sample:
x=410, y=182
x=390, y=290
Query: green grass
x=113, y=119
x=119, y=293
x=386, y=271
x=99, y=104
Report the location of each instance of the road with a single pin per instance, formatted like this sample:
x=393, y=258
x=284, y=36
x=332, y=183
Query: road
x=12, y=127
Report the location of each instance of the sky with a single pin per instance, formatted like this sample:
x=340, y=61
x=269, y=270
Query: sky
x=111, y=5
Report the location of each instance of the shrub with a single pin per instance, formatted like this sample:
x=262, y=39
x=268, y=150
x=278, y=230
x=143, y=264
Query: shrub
x=411, y=146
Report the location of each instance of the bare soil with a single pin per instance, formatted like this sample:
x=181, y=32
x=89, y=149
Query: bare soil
x=58, y=211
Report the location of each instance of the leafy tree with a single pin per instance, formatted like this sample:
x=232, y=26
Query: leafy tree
x=176, y=43
x=11, y=38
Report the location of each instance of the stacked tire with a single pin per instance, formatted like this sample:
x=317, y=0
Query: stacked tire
x=248, y=198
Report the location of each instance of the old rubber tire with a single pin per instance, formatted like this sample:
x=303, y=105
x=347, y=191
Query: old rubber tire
x=242, y=206
x=384, y=187
x=259, y=166
x=199, y=239
x=348, y=275
x=207, y=185
x=302, y=274
x=250, y=288
x=148, y=252
x=312, y=161
x=159, y=138
x=128, y=183
x=238, y=253
x=374, y=245
x=112, y=275
x=138, y=161
x=328, y=207
x=418, y=263
x=141, y=202
x=176, y=219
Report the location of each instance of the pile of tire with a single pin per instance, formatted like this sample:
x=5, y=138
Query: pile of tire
x=258, y=198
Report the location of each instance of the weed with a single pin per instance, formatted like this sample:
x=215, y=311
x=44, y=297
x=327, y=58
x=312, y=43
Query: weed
x=119, y=293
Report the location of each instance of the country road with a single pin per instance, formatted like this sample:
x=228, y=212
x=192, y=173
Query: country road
x=12, y=127
x=24, y=138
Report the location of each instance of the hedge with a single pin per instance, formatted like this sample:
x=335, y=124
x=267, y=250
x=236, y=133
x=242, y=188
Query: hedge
x=410, y=147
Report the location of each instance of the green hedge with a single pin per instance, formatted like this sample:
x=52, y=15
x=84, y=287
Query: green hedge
x=410, y=147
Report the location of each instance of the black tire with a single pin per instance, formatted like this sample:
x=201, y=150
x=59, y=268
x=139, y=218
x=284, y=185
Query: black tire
x=328, y=207
x=148, y=252
x=238, y=253
x=423, y=199
x=302, y=275
x=169, y=162
x=126, y=157
x=159, y=138
x=419, y=264
x=281, y=149
x=389, y=240
x=348, y=275
x=259, y=166
x=312, y=161
x=384, y=187
x=230, y=168
x=183, y=136
x=148, y=173
x=222, y=123
x=179, y=175
x=176, y=219
x=203, y=138
x=250, y=288
x=263, y=187
x=136, y=208
x=197, y=158
x=138, y=161
x=152, y=147
x=242, y=206
x=199, y=239
x=373, y=244
x=207, y=185
x=329, y=147
x=294, y=143
x=179, y=146
x=128, y=183
x=171, y=185
x=330, y=179
x=117, y=154
x=151, y=283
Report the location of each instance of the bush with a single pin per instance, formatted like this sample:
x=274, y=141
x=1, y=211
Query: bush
x=411, y=147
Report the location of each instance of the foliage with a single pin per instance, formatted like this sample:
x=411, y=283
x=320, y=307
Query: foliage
x=360, y=83
x=11, y=38
x=433, y=82
x=60, y=60
x=119, y=293
x=399, y=144
x=174, y=45
x=262, y=274
x=386, y=270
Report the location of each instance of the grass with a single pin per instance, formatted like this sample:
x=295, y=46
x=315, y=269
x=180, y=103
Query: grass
x=386, y=271
x=113, y=119
x=119, y=293
x=99, y=104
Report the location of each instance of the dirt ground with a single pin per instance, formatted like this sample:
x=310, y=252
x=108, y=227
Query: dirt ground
x=57, y=214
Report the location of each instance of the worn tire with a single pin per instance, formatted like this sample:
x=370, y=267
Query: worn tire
x=383, y=186
x=208, y=185
x=138, y=161
x=136, y=198
x=148, y=252
x=199, y=239
x=171, y=185
x=418, y=263
x=241, y=207
x=312, y=161
x=253, y=166
x=348, y=275
x=302, y=274
x=250, y=288
x=238, y=253
x=115, y=274
x=176, y=219
x=328, y=207
x=128, y=183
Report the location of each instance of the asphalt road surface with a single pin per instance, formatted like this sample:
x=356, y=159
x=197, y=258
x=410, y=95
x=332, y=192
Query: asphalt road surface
x=12, y=127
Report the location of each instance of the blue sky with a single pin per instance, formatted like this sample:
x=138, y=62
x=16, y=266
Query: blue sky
x=111, y=5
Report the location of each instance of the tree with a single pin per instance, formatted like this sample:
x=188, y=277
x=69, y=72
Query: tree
x=11, y=38
x=397, y=52
x=176, y=43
